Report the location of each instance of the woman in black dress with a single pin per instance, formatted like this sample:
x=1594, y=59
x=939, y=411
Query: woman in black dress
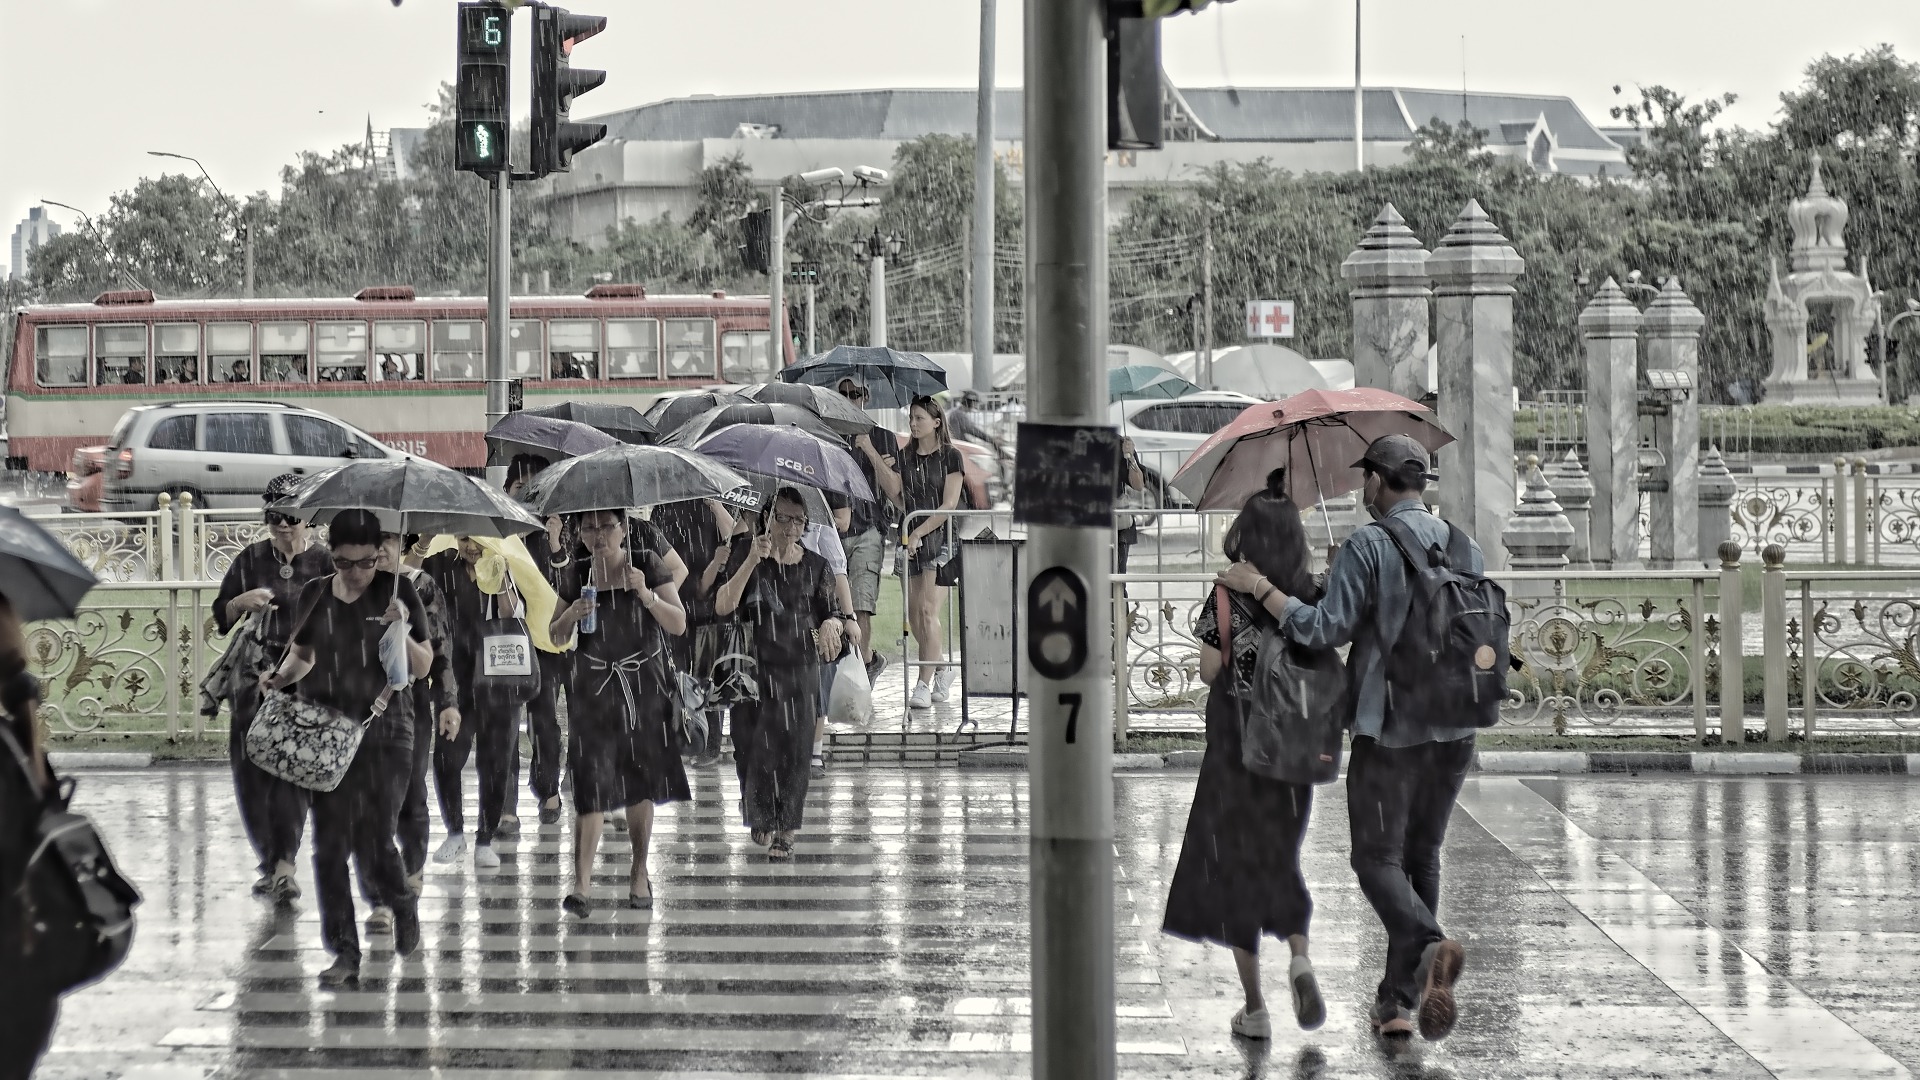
x=264, y=582
x=785, y=594
x=335, y=661
x=931, y=474
x=1239, y=872
x=625, y=740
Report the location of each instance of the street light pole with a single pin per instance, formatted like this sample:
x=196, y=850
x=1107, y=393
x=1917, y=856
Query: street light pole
x=777, y=285
x=877, y=298
x=983, y=211
x=126, y=278
x=241, y=227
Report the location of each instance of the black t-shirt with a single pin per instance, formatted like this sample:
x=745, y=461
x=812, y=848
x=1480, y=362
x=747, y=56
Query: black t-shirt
x=345, y=638
x=869, y=515
x=923, y=477
x=690, y=530
x=258, y=567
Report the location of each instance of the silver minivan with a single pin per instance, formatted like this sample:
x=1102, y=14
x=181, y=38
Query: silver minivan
x=223, y=452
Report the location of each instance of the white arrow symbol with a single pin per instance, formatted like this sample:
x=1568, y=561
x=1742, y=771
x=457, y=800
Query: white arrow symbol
x=1058, y=595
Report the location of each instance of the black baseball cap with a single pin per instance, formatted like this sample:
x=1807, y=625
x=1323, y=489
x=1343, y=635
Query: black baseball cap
x=1400, y=456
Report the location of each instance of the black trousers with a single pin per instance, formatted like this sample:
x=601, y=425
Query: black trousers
x=543, y=724
x=26, y=1027
x=415, y=822
x=357, y=820
x=773, y=747
x=488, y=732
x=1399, y=800
x=272, y=811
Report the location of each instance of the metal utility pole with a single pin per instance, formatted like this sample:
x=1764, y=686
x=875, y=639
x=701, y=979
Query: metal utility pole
x=877, y=296
x=499, y=280
x=1359, y=110
x=983, y=210
x=810, y=348
x=1206, y=306
x=1071, y=756
x=248, y=292
x=777, y=284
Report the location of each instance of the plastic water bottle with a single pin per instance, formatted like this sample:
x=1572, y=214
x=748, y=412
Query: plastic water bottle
x=591, y=623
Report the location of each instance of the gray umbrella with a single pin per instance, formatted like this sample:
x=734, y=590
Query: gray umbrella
x=542, y=436
x=628, y=477
x=410, y=496
x=38, y=575
x=840, y=414
x=748, y=412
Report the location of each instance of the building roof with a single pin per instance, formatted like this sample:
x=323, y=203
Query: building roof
x=1248, y=114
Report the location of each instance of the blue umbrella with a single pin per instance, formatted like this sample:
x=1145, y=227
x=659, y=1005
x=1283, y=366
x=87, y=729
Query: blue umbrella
x=39, y=577
x=1146, y=381
x=789, y=455
x=893, y=379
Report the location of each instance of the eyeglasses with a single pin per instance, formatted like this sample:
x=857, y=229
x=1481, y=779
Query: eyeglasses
x=854, y=393
x=789, y=519
x=355, y=564
x=275, y=518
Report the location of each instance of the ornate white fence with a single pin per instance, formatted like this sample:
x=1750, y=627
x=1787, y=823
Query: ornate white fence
x=179, y=541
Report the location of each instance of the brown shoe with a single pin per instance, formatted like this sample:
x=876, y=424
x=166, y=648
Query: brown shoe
x=1390, y=1021
x=1442, y=961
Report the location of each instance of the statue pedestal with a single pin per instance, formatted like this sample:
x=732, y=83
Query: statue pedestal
x=1824, y=391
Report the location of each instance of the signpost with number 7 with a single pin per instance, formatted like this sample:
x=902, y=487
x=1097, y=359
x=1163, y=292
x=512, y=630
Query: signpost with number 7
x=1269, y=318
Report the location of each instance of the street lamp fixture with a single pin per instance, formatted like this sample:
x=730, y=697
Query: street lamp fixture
x=879, y=247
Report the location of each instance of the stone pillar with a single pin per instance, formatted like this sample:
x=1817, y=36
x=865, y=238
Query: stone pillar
x=1716, y=490
x=1568, y=478
x=1387, y=279
x=1538, y=533
x=1673, y=344
x=1610, y=327
x=1473, y=272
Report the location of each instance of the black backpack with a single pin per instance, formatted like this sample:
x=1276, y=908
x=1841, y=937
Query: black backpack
x=1293, y=712
x=1453, y=653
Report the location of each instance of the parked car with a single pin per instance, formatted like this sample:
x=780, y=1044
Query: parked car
x=223, y=452
x=1166, y=430
x=85, y=478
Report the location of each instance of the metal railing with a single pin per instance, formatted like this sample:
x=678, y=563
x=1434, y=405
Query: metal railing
x=177, y=541
x=129, y=662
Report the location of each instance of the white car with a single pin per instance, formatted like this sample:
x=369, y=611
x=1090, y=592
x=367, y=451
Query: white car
x=1165, y=430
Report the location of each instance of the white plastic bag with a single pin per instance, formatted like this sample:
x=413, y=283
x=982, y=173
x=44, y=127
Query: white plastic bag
x=852, y=698
x=393, y=655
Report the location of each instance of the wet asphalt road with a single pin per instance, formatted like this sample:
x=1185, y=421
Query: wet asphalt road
x=1614, y=927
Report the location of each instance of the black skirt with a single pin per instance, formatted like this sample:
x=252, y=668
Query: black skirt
x=1239, y=871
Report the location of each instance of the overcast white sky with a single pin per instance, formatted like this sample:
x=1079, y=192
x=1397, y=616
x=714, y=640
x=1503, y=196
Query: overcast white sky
x=87, y=86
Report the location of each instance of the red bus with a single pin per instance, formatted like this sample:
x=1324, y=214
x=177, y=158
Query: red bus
x=405, y=369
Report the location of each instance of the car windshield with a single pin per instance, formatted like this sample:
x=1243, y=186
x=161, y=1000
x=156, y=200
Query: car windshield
x=119, y=437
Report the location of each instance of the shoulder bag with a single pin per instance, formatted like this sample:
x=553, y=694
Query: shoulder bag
x=504, y=667
x=1293, y=711
x=305, y=743
x=75, y=910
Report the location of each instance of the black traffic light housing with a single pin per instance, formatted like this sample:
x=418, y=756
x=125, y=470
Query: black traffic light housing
x=756, y=235
x=1133, y=77
x=556, y=83
x=483, y=86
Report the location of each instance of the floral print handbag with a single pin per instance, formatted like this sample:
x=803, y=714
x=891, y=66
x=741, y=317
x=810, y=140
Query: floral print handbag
x=304, y=743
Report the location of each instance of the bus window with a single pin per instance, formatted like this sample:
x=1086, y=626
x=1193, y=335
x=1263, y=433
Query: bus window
x=283, y=352
x=525, y=359
x=60, y=355
x=633, y=349
x=176, y=353
x=689, y=347
x=342, y=351
x=400, y=348
x=575, y=348
x=120, y=355
x=456, y=350
x=743, y=356
x=230, y=352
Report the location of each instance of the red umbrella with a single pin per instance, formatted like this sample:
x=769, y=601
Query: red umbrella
x=1316, y=436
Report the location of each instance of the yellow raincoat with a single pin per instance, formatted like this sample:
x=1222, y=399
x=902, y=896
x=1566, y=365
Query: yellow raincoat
x=506, y=559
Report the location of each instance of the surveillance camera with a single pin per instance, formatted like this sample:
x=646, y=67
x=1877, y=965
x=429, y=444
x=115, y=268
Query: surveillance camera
x=824, y=176
x=867, y=174
x=1633, y=276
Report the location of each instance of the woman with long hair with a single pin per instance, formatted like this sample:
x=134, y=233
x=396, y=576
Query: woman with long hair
x=785, y=593
x=930, y=479
x=27, y=1013
x=334, y=661
x=1239, y=876
x=625, y=741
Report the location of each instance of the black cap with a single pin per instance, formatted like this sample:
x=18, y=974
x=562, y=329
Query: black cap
x=281, y=486
x=1399, y=456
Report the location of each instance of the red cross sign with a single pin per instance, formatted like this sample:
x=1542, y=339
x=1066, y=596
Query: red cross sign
x=1269, y=318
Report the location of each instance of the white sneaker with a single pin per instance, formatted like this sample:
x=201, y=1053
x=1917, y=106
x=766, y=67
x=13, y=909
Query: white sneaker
x=380, y=921
x=943, y=683
x=922, y=697
x=484, y=858
x=451, y=848
x=1254, y=1025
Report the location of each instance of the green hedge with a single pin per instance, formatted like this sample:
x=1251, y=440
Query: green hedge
x=1782, y=429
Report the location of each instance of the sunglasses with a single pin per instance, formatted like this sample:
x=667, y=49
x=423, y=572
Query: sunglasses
x=276, y=518
x=355, y=564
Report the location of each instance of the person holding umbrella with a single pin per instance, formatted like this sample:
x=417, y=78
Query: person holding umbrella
x=262, y=585
x=625, y=745
x=790, y=608
x=877, y=450
x=930, y=478
x=700, y=531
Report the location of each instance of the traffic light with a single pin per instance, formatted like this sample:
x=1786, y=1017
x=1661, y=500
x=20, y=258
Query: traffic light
x=482, y=87
x=556, y=83
x=1133, y=77
x=756, y=234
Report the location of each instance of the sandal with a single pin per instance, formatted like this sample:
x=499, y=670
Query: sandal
x=761, y=837
x=576, y=905
x=781, y=850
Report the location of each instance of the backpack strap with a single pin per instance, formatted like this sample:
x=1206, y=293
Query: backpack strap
x=1459, y=548
x=1403, y=538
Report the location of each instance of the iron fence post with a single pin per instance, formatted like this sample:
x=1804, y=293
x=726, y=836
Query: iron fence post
x=1773, y=616
x=1733, y=675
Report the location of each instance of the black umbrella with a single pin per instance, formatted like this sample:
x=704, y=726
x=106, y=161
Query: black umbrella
x=790, y=456
x=542, y=436
x=409, y=495
x=625, y=477
x=669, y=413
x=623, y=422
x=38, y=575
x=893, y=379
x=705, y=424
x=842, y=415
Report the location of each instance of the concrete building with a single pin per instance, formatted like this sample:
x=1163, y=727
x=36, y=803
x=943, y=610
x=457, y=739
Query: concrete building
x=651, y=160
x=34, y=229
